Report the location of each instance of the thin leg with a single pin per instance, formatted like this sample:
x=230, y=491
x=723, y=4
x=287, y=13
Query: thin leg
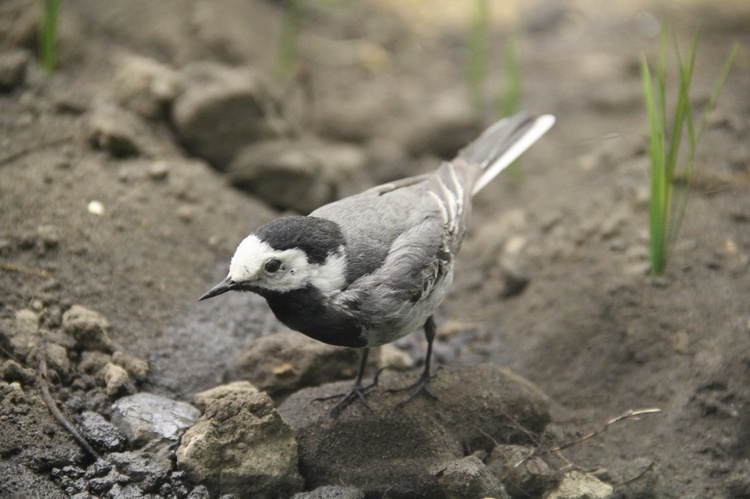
x=420, y=386
x=357, y=390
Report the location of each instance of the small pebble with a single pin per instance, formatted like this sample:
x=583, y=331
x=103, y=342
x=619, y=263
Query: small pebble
x=95, y=208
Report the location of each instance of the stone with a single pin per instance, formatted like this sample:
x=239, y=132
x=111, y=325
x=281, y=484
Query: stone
x=145, y=417
x=577, y=485
x=145, y=86
x=522, y=473
x=116, y=380
x=206, y=397
x=475, y=407
x=331, y=492
x=281, y=363
x=10, y=371
x=137, y=368
x=13, y=65
x=118, y=132
x=296, y=174
x=92, y=361
x=57, y=360
x=100, y=432
x=469, y=478
x=241, y=446
x=89, y=328
x=149, y=468
x=223, y=109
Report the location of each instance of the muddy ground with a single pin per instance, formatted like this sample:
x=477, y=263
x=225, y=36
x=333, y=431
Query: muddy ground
x=587, y=324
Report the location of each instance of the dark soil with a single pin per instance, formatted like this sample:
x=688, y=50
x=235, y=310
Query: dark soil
x=587, y=324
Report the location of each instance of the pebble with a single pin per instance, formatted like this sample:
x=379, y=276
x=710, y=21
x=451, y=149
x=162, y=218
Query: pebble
x=100, y=432
x=577, y=485
x=89, y=328
x=204, y=398
x=299, y=174
x=241, y=446
x=116, y=380
x=145, y=417
x=468, y=477
x=137, y=368
x=223, y=109
x=281, y=363
x=116, y=131
x=331, y=492
x=13, y=65
x=149, y=468
x=145, y=86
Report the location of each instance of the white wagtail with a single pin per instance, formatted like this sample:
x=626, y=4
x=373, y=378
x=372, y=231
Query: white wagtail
x=373, y=267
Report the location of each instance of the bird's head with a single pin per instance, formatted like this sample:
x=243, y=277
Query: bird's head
x=285, y=255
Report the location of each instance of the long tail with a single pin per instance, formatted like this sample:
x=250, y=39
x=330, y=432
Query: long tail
x=503, y=142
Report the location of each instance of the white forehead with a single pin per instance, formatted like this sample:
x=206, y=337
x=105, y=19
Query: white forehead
x=249, y=256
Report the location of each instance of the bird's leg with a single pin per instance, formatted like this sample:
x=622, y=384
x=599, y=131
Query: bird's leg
x=357, y=390
x=420, y=386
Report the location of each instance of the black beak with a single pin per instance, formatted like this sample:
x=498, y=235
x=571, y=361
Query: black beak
x=221, y=288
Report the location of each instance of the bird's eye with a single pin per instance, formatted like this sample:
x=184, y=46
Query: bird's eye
x=272, y=265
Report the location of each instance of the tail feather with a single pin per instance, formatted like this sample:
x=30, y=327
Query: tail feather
x=503, y=142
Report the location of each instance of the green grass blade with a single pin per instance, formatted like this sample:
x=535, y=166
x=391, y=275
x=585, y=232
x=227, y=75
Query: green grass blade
x=49, y=35
x=288, y=49
x=658, y=202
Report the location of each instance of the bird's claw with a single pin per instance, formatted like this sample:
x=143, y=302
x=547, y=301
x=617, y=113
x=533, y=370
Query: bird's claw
x=419, y=387
x=357, y=391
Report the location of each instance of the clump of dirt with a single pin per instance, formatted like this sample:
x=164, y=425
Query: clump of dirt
x=112, y=228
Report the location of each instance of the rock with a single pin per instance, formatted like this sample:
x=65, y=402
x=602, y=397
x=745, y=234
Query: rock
x=577, y=485
x=100, y=432
x=137, y=368
x=475, y=408
x=116, y=380
x=145, y=417
x=469, y=478
x=300, y=174
x=115, y=131
x=128, y=491
x=522, y=475
x=200, y=492
x=89, y=328
x=150, y=467
x=222, y=110
x=27, y=321
x=92, y=361
x=23, y=335
x=145, y=86
x=57, y=360
x=281, y=363
x=10, y=371
x=206, y=397
x=13, y=69
x=392, y=357
x=241, y=446
x=331, y=492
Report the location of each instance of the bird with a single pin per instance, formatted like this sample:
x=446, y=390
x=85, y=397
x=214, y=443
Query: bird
x=368, y=269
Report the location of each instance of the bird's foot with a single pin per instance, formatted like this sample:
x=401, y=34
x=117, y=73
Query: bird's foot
x=357, y=392
x=419, y=387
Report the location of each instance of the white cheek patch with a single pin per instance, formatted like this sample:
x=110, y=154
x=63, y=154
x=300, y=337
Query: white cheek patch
x=330, y=277
x=296, y=273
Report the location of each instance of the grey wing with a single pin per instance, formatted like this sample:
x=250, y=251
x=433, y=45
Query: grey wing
x=373, y=220
x=406, y=289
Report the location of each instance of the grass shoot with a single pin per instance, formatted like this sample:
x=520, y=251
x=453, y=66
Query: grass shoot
x=666, y=132
x=48, y=34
